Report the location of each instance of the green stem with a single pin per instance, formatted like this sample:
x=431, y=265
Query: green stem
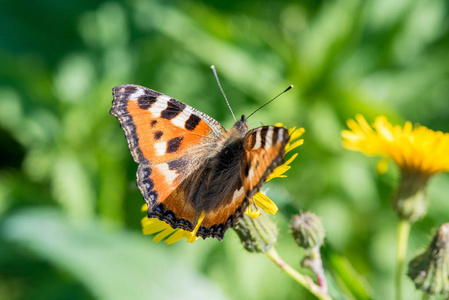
x=303, y=280
x=403, y=233
x=313, y=262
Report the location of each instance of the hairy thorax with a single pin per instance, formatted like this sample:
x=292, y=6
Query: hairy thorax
x=224, y=164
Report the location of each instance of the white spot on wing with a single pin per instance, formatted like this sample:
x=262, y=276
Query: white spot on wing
x=180, y=120
x=250, y=174
x=170, y=175
x=159, y=106
x=238, y=193
x=258, y=140
x=134, y=96
x=280, y=135
x=160, y=147
x=269, y=138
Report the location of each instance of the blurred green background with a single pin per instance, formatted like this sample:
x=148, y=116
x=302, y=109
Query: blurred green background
x=69, y=208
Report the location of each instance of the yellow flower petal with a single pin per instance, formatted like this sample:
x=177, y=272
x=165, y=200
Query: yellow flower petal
x=281, y=169
x=291, y=159
x=265, y=203
x=413, y=148
x=193, y=236
x=363, y=124
x=153, y=225
x=278, y=172
x=163, y=234
x=291, y=130
x=253, y=214
x=293, y=146
x=177, y=236
x=296, y=133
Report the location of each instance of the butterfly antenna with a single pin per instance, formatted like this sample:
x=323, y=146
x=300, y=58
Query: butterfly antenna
x=221, y=89
x=291, y=86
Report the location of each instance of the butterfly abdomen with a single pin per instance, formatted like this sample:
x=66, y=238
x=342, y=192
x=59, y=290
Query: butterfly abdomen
x=217, y=177
x=226, y=170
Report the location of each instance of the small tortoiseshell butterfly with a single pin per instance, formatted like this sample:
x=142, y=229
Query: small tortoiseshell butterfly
x=189, y=164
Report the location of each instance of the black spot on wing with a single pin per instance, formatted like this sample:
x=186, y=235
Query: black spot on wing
x=275, y=134
x=160, y=212
x=285, y=135
x=170, y=215
x=173, y=144
x=263, y=136
x=146, y=171
x=218, y=230
x=146, y=101
x=120, y=111
x=148, y=184
x=253, y=139
x=247, y=167
x=126, y=90
x=153, y=196
x=192, y=122
x=173, y=109
x=158, y=134
x=122, y=92
x=153, y=123
x=177, y=164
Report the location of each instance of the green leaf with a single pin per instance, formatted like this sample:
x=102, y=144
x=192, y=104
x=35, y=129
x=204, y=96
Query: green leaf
x=112, y=264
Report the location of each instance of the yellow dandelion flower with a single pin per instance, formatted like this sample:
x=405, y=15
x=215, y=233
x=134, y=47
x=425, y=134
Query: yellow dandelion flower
x=415, y=148
x=163, y=230
x=418, y=151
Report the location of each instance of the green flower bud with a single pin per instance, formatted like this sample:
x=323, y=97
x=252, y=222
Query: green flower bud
x=430, y=270
x=257, y=235
x=307, y=230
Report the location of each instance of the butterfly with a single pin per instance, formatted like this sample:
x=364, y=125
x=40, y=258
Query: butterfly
x=189, y=165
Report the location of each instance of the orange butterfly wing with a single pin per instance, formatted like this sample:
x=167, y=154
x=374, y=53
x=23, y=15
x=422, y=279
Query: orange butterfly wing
x=167, y=138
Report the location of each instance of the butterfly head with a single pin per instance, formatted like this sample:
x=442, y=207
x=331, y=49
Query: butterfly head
x=241, y=126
